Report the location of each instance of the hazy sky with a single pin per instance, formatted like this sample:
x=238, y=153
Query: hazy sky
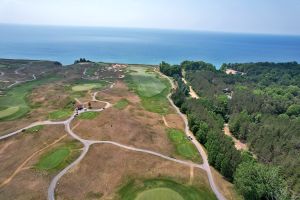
x=255, y=16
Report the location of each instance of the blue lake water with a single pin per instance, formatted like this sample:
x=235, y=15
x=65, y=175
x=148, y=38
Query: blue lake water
x=149, y=46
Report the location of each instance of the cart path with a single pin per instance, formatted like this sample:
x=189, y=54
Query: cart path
x=88, y=143
x=199, y=147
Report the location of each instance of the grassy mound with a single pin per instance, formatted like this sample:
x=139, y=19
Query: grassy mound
x=163, y=189
x=184, y=147
x=150, y=87
x=58, y=158
x=86, y=87
x=123, y=103
x=88, y=115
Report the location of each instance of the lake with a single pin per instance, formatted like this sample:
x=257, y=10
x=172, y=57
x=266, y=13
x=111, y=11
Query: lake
x=148, y=46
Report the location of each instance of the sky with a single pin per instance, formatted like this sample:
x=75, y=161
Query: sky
x=247, y=16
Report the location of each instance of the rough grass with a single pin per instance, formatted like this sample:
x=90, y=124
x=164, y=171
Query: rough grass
x=59, y=157
x=60, y=114
x=87, y=86
x=183, y=146
x=123, y=103
x=152, y=89
x=135, y=190
x=16, y=97
x=88, y=115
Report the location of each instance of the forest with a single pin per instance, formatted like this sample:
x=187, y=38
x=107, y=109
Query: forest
x=261, y=103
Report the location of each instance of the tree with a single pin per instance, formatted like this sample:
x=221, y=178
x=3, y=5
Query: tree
x=259, y=182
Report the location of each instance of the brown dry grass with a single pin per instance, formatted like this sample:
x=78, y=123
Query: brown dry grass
x=115, y=166
x=28, y=183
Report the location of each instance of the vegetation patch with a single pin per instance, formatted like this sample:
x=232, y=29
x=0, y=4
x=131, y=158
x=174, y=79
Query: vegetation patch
x=163, y=189
x=123, y=103
x=35, y=129
x=60, y=114
x=86, y=87
x=183, y=146
x=59, y=157
x=150, y=87
x=88, y=115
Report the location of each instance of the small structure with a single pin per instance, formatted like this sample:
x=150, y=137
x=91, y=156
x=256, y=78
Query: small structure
x=79, y=106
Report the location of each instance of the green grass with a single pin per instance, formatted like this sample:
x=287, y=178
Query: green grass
x=60, y=114
x=184, y=147
x=152, y=89
x=88, y=115
x=123, y=103
x=159, y=193
x=16, y=97
x=86, y=87
x=58, y=158
x=163, y=189
x=9, y=111
x=34, y=129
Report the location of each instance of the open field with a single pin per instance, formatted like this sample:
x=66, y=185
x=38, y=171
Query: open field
x=114, y=168
x=150, y=88
x=140, y=116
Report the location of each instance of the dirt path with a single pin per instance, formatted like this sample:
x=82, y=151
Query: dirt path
x=165, y=122
x=237, y=143
x=6, y=181
x=191, y=175
x=192, y=92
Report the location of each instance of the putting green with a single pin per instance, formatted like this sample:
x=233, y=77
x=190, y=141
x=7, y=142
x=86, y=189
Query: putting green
x=9, y=111
x=86, y=87
x=159, y=193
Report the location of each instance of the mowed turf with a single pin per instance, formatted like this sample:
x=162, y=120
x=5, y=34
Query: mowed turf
x=183, y=146
x=60, y=114
x=14, y=104
x=159, y=193
x=150, y=87
x=87, y=86
x=163, y=189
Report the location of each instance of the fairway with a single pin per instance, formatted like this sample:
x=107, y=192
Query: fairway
x=159, y=193
x=9, y=111
x=86, y=87
x=123, y=103
x=147, y=83
x=15, y=99
x=152, y=89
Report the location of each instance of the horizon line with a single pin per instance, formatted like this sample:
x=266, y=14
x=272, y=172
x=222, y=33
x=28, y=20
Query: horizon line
x=153, y=28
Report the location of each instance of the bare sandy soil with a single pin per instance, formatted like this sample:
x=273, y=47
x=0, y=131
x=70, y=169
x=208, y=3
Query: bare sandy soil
x=114, y=167
x=237, y=143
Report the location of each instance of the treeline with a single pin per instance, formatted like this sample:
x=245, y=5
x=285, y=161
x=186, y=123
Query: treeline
x=82, y=60
x=206, y=118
